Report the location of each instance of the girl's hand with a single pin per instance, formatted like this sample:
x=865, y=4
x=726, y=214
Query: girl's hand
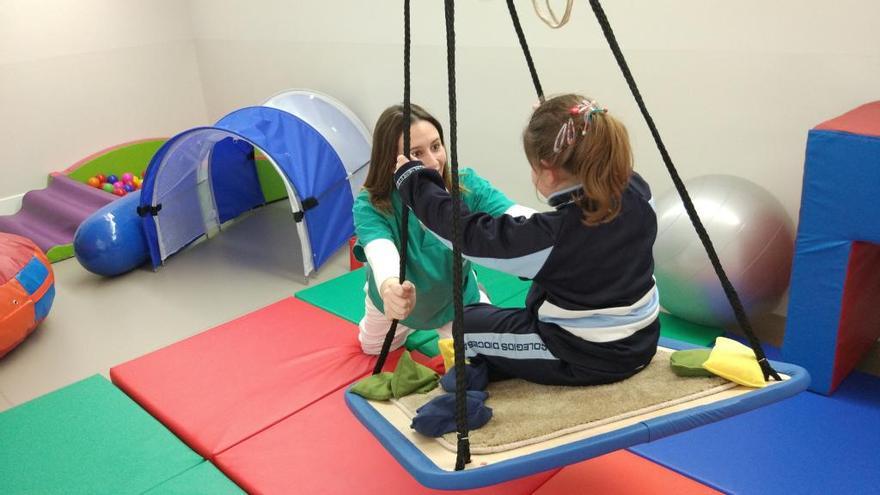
x=401, y=161
x=398, y=299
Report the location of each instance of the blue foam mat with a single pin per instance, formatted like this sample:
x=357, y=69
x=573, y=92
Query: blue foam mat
x=808, y=444
x=428, y=474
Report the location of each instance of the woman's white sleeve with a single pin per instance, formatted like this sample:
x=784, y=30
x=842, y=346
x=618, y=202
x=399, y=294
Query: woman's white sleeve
x=384, y=259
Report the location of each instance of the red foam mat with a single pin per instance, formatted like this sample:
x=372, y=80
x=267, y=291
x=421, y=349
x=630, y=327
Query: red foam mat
x=223, y=385
x=621, y=473
x=323, y=449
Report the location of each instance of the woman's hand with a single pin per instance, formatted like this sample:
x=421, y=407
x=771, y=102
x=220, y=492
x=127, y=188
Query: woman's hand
x=401, y=161
x=398, y=299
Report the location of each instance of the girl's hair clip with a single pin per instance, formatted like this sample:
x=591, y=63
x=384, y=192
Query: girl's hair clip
x=584, y=110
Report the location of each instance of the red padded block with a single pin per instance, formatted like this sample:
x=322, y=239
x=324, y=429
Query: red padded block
x=859, y=314
x=863, y=120
x=621, y=473
x=222, y=386
x=323, y=449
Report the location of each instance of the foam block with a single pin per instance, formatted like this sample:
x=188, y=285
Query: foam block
x=806, y=444
x=620, y=473
x=832, y=316
x=87, y=438
x=324, y=449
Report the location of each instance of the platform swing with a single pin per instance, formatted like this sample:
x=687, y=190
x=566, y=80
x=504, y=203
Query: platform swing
x=460, y=462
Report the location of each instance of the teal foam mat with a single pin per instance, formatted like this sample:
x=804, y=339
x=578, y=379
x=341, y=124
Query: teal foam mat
x=88, y=437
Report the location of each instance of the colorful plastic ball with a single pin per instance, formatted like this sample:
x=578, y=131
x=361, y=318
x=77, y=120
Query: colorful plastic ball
x=94, y=182
x=119, y=192
x=126, y=177
x=118, y=184
x=112, y=179
x=107, y=187
x=102, y=178
x=129, y=187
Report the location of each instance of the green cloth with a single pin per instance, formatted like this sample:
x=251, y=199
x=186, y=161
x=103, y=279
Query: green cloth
x=374, y=387
x=690, y=362
x=409, y=377
x=429, y=262
x=88, y=437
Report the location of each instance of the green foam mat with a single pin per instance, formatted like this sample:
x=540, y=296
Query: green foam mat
x=424, y=341
x=88, y=437
x=502, y=287
x=674, y=327
x=204, y=479
x=344, y=297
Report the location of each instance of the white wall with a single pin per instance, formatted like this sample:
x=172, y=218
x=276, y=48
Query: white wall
x=732, y=86
x=78, y=76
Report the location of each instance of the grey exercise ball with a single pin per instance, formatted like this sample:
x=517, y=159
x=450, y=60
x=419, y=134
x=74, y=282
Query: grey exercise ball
x=754, y=239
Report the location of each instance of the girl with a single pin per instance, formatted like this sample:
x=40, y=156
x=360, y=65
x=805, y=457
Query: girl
x=591, y=314
x=377, y=217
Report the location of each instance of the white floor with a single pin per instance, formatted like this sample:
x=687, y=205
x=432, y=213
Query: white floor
x=96, y=323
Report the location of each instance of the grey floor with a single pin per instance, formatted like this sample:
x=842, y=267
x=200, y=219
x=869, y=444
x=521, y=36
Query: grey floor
x=96, y=323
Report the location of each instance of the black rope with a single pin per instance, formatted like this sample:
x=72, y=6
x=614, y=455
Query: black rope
x=732, y=296
x=525, y=48
x=404, y=221
x=463, y=450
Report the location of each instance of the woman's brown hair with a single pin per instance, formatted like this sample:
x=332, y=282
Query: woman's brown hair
x=383, y=157
x=599, y=155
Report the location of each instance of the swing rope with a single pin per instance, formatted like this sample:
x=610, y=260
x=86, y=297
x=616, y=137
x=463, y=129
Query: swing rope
x=404, y=221
x=463, y=445
x=729, y=290
x=525, y=48
x=463, y=450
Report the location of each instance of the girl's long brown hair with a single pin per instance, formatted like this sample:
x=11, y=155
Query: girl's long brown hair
x=601, y=157
x=383, y=157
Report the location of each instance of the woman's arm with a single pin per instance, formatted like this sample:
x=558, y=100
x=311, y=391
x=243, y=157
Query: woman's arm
x=515, y=245
x=376, y=238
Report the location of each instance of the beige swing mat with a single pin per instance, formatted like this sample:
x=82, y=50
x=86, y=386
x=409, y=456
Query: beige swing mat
x=530, y=418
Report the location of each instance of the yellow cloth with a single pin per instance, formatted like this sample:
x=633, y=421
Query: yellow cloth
x=447, y=352
x=736, y=362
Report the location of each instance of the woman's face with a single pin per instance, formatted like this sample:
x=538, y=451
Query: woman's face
x=425, y=146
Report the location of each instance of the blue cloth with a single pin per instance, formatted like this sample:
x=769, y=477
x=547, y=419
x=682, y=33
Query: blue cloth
x=476, y=377
x=437, y=417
